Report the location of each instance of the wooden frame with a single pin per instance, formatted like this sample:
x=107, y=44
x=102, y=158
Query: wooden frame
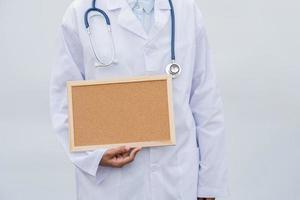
x=170, y=141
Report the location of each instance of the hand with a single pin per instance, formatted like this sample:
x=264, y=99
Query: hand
x=206, y=198
x=118, y=157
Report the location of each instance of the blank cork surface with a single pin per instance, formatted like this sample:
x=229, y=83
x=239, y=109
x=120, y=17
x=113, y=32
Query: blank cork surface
x=132, y=112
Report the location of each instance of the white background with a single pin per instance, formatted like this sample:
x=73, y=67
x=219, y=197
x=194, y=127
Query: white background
x=256, y=50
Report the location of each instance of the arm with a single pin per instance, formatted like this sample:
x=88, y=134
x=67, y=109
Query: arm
x=69, y=66
x=206, y=106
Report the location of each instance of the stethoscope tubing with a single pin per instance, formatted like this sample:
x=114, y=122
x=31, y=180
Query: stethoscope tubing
x=172, y=13
x=86, y=16
x=170, y=67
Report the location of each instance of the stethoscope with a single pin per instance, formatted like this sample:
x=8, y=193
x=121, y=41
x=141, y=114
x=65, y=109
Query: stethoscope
x=172, y=68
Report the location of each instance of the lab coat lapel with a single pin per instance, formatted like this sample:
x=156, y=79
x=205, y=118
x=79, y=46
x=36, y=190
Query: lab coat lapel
x=129, y=21
x=161, y=17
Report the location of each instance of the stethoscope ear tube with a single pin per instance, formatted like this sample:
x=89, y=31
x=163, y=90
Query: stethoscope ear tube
x=100, y=63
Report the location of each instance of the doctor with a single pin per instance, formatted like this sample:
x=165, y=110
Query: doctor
x=145, y=37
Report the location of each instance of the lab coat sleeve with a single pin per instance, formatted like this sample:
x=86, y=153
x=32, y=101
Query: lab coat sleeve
x=68, y=66
x=206, y=105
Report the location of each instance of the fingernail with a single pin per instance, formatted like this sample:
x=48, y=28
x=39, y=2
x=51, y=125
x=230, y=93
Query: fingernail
x=127, y=148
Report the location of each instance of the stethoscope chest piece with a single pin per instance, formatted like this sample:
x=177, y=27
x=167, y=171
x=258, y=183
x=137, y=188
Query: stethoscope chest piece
x=173, y=69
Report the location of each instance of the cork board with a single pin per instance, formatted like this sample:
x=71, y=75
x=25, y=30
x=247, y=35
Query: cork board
x=133, y=111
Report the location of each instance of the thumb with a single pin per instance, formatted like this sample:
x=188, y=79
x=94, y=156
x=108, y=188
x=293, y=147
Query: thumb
x=134, y=152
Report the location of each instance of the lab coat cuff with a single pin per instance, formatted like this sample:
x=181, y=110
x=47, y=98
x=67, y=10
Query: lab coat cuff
x=206, y=192
x=90, y=164
x=95, y=165
x=101, y=171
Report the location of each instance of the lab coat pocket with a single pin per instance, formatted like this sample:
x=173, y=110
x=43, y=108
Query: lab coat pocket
x=166, y=182
x=189, y=168
x=108, y=176
x=133, y=180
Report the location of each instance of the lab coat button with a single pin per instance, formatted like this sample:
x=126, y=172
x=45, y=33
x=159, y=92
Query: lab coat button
x=154, y=167
x=147, y=49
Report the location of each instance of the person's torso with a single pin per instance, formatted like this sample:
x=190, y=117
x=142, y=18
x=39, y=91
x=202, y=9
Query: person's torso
x=164, y=173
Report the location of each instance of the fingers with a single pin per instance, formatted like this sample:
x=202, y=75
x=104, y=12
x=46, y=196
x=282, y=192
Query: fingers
x=117, y=151
x=120, y=156
x=134, y=152
x=127, y=153
x=126, y=159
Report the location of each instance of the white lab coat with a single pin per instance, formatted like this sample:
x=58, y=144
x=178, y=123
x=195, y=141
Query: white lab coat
x=196, y=166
